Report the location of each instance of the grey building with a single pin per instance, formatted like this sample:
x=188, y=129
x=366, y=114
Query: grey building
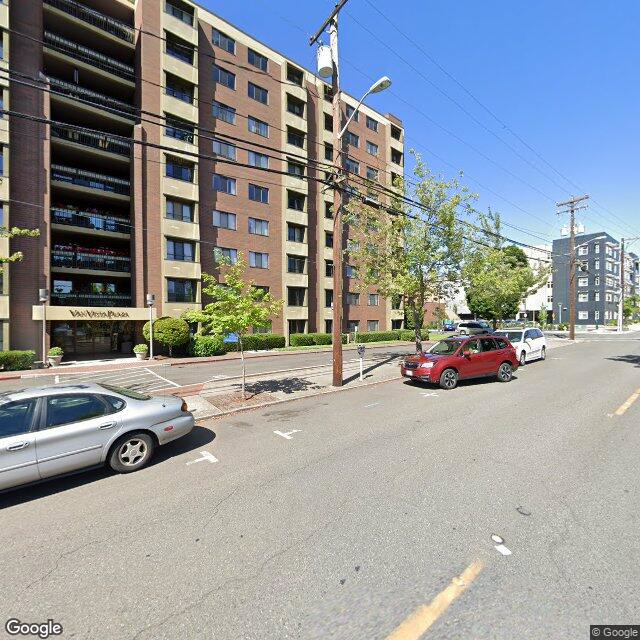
x=598, y=278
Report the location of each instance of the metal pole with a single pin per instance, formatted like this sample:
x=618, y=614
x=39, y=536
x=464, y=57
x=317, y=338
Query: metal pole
x=621, y=296
x=150, y=332
x=559, y=312
x=44, y=333
x=337, y=209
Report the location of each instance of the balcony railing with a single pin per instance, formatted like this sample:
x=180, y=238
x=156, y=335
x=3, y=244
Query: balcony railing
x=92, y=97
x=103, y=142
x=97, y=19
x=91, y=299
x=86, y=220
x=83, y=260
x=90, y=56
x=89, y=179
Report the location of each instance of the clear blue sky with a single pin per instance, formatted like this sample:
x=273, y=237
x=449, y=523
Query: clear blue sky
x=562, y=74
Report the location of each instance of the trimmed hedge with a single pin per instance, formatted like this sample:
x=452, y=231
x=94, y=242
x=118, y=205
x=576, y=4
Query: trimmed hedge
x=16, y=360
x=311, y=339
x=207, y=346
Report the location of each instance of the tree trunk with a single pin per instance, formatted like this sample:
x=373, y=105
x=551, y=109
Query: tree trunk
x=417, y=327
x=244, y=396
x=495, y=324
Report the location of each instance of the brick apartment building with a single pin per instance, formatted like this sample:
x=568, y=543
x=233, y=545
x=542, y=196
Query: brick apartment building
x=129, y=102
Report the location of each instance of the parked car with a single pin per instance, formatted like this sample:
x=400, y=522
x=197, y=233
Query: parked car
x=448, y=325
x=461, y=358
x=473, y=328
x=530, y=344
x=48, y=431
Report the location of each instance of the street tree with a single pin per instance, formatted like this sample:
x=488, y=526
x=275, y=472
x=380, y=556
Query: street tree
x=16, y=232
x=631, y=307
x=497, y=278
x=410, y=244
x=237, y=305
x=543, y=316
x=169, y=332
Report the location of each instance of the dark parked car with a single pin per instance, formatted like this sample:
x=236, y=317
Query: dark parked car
x=473, y=328
x=461, y=358
x=448, y=325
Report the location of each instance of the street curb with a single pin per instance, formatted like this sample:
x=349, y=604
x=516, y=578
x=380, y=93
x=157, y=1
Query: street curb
x=224, y=414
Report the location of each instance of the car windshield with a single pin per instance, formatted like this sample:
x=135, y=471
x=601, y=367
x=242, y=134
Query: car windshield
x=128, y=393
x=514, y=336
x=445, y=347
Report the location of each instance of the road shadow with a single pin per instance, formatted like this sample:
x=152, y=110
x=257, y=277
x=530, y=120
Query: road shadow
x=371, y=368
x=629, y=359
x=284, y=385
x=473, y=382
x=199, y=437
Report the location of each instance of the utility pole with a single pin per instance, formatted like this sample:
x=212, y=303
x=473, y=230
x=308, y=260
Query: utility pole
x=572, y=208
x=336, y=325
x=621, y=296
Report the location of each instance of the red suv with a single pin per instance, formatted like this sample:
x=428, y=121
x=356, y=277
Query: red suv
x=460, y=358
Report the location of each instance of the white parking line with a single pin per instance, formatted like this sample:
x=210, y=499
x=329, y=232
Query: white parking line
x=287, y=434
x=174, y=384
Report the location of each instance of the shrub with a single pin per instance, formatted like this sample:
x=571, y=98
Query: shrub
x=375, y=336
x=261, y=341
x=169, y=332
x=16, y=360
x=207, y=346
x=55, y=351
x=301, y=339
x=140, y=348
x=409, y=335
x=321, y=338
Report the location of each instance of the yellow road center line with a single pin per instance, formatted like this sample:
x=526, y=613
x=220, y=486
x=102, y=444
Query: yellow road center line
x=625, y=405
x=423, y=617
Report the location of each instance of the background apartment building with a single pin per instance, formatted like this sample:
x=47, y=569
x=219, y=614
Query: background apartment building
x=157, y=133
x=539, y=259
x=598, y=277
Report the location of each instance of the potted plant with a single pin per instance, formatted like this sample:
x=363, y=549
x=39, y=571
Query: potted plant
x=54, y=355
x=141, y=351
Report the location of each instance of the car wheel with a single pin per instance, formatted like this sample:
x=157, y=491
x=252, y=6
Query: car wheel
x=505, y=372
x=462, y=332
x=523, y=359
x=449, y=379
x=131, y=452
x=543, y=353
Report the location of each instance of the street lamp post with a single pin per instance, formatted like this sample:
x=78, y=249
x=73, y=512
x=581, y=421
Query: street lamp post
x=44, y=297
x=151, y=300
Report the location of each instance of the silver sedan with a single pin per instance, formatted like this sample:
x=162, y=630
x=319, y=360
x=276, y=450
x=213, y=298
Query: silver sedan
x=48, y=431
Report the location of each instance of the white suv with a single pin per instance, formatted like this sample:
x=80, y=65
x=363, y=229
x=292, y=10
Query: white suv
x=530, y=344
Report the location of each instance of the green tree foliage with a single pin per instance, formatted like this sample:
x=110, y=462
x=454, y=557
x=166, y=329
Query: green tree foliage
x=543, y=316
x=497, y=278
x=411, y=252
x=169, y=332
x=16, y=232
x=631, y=307
x=236, y=305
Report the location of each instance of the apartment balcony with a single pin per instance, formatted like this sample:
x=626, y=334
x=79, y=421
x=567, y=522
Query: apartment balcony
x=97, y=224
x=104, y=23
x=78, y=260
x=72, y=299
x=117, y=109
x=89, y=182
x=91, y=59
x=101, y=143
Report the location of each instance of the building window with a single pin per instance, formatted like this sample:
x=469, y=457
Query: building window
x=608, y=297
x=258, y=60
x=176, y=210
x=352, y=139
x=295, y=232
x=353, y=326
x=296, y=264
x=351, y=111
x=583, y=297
x=179, y=129
x=296, y=296
x=294, y=75
x=295, y=200
x=597, y=314
x=179, y=11
x=596, y=296
x=224, y=77
x=258, y=260
x=258, y=160
x=328, y=210
x=596, y=247
x=177, y=48
x=328, y=93
x=328, y=239
x=596, y=281
x=396, y=132
x=224, y=220
x=373, y=325
x=295, y=106
x=258, y=194
x=372, y=174
x=223, y=41
x=328, y=326
x=328, y=298
x=258, y=93
x=265, y=329
x=596, y=264
x=583, y=282
x=328, y=268
x=353, y=299
x=372, y=124
x=230, y=255
x=224, y=184
x=179, y=169
x=374, y=299
x=224, y=149
x=258, y=126
x=295, y=168
x=396, y=156
x=583, y=315
x=351, y=271
x=295, y=137
x=178, y=89
x=179, y=290
x=258, y=227
x=352, y=165
x=372, y=148
x=223, y=112
x=583, y=251
x=297, y=326
x=396, y=324
x=180, y=250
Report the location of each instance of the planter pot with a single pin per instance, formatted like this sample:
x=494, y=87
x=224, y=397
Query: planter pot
x=54, y=361
x=142, y=356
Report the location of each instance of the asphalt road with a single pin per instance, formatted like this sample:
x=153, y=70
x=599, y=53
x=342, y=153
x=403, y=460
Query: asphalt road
x=346, y=527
